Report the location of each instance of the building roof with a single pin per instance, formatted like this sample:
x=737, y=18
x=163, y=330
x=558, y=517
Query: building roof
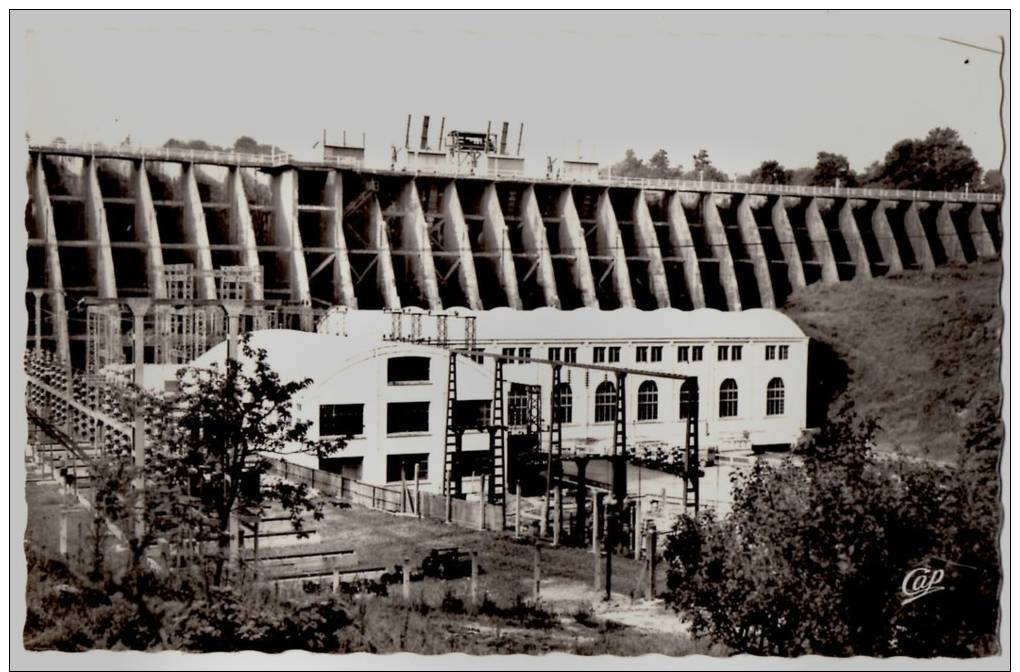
x=593, y=324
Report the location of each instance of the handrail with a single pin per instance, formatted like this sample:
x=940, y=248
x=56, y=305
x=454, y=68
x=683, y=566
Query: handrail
x=453, y=170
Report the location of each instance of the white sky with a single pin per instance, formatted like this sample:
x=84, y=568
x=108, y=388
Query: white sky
x=746, y=86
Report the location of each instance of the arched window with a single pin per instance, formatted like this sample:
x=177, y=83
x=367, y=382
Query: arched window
x=689, y=398
x=605, y=402
x=775, y=397
x=563, y=403
x=728, y=399
x=648, y=401
x=517, y=406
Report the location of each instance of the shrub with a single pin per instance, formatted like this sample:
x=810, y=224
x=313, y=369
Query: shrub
x=812, y=557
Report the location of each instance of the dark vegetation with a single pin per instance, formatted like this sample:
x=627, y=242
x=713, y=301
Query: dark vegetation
x=813, y=557
x=939, y=161
x=921, y=351
x=245, y=144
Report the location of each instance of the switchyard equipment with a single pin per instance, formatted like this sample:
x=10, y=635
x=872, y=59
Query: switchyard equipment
x=452, y=477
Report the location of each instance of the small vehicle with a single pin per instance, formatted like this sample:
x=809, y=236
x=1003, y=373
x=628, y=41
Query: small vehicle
x=447, y=563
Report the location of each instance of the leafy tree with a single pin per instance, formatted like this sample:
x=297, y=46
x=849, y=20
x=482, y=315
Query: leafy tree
x=831, y=168
x=213, y=440
x=939, y=161
x=704, y=170
x=771, y=172
x=813, y=556
x=802, y=175
x=992, y=181
x=658, y=166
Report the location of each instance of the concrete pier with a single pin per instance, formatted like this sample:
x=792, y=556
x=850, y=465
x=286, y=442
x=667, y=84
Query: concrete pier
x=386, y=281
x=947, y=233
x=147, y=230
x=752, y=241
x=497, y=241
x=854, y=243
x=241, y=228
x=978, y=229
x=916, y=236
x=536, y=244
x=572, y=242
x=884, y=236
x=648, y=247
x=683, y=246
x=721, y=247
x=42, y=214
x=457, y=240
x=610, y=244
x=415, y=244
x=100, y=253
x=784, y=233
x=196, y=233
x=819, y=236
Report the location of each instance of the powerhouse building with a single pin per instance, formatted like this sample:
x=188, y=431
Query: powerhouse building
x=388, y=393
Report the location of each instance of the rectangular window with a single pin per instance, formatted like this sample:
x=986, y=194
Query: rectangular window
x=395, y=464
x=402, y=370
x=683, y=353
x=598, y=355
x=770, y=352
x=472, y=413
x=697, y=353
x=614, y=355
x=641, y=355
x=724, y=353
x=784, y=352
x=570, y=355
x=554, y=354
x=508, y=352
x=737, y=352
x=341, y=419
x=524, y=353
x=407, y=416
x=656, y=353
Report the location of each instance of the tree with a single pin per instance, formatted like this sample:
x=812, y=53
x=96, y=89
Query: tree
x=630, y=166
x=941, y=161
x=832, y=168
x=209, y=463
x=771, y=172
x=246, y=144
x=992, y=181
x=704, y=170
x=658, y=166
x=813, y=557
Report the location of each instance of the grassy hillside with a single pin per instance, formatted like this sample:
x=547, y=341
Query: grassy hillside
x=919, y=351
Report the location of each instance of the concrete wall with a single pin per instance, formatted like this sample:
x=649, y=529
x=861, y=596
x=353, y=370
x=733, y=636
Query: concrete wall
x=961, y=228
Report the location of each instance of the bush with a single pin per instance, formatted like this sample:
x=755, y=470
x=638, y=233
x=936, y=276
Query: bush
x=813, y=556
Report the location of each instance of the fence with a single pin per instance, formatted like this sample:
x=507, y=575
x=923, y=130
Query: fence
x=477, y=514
x=452, y=169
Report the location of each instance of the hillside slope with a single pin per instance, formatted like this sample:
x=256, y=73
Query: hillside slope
x=919, y=351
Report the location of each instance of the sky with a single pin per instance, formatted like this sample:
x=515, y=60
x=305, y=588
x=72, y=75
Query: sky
x=746, y=86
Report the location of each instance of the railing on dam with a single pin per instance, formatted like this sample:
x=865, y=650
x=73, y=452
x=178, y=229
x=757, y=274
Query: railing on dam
x=175, y=154
x=454, y=170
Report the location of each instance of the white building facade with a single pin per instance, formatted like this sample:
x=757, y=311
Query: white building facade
x=389, y=397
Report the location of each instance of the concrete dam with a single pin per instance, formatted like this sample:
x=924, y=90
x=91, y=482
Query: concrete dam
x=107, y=222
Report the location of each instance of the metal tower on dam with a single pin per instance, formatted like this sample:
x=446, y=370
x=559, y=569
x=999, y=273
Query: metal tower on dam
x=106, y=222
